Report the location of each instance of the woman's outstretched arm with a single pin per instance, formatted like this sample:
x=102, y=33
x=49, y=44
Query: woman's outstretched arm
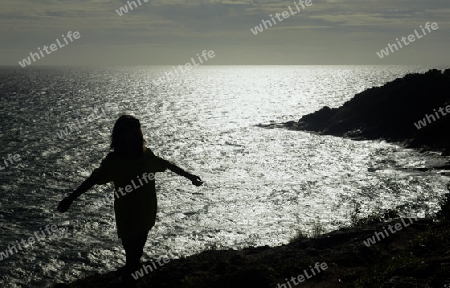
x=85, y=186
x=195, y=179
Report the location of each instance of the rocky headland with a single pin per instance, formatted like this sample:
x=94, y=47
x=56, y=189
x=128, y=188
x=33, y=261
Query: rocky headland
x=413, y=110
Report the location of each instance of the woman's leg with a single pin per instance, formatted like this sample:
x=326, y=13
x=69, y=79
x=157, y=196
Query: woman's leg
x=134, y=248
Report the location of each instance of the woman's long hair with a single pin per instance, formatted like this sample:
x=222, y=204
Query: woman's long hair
x=127, y=139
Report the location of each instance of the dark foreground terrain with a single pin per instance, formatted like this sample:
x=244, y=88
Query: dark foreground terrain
x=418, y=255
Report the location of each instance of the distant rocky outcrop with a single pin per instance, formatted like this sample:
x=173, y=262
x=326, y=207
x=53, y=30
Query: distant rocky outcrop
x=404, y=110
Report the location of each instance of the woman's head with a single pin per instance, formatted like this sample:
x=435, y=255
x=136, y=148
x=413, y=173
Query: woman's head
x=127, y=139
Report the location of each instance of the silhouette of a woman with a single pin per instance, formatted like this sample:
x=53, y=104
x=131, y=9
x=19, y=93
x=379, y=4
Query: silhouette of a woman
x=131, y=166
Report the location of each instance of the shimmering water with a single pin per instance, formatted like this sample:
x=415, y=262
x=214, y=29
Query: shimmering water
x=261, y=187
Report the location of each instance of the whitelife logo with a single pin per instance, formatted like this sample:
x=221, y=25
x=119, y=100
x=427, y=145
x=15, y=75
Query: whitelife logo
x=124, y=9
x=397, y=226
x=105, y=200
x=284, y=14
x=411, y=38
x=35, y=56
x=11, y=159
x=319, y=267
x=186, y=68
x=423, y=123
x=102, y=112
x=129, y=188
x=26, y=243
x=140, y=273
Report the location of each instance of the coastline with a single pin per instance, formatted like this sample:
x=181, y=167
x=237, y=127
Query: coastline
x=417, y=255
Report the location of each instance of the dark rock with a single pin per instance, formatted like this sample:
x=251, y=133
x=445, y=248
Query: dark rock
x=390, y=112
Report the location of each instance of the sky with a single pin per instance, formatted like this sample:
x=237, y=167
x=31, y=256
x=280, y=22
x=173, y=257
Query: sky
x=171, y=32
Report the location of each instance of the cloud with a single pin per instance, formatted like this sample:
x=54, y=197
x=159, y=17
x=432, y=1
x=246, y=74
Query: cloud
x=187, y=25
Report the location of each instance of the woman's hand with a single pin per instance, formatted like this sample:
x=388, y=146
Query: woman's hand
x=196, y=180
x=85, y=186
x=64, y=204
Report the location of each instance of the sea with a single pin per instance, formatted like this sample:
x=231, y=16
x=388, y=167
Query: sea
x=261, y=186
